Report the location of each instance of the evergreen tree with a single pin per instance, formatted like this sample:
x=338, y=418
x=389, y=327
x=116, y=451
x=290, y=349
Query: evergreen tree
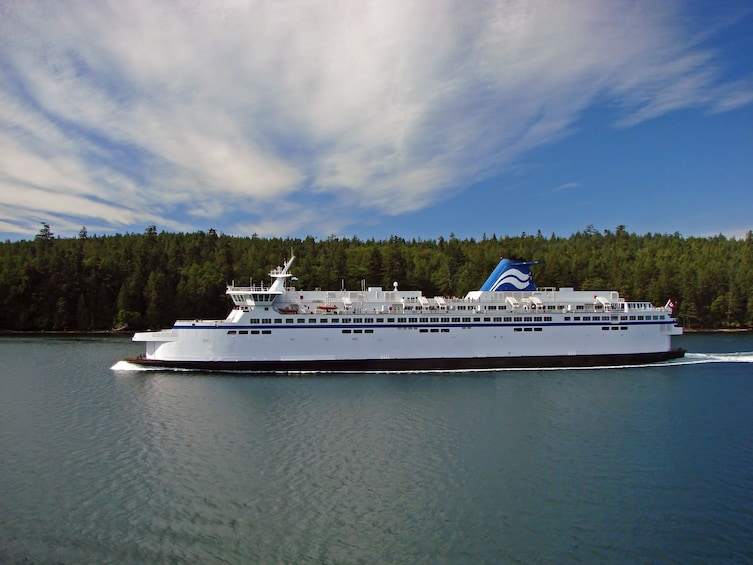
x=150, y=279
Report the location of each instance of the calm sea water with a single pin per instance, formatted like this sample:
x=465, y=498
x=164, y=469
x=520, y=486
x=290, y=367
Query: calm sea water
x=640, y=465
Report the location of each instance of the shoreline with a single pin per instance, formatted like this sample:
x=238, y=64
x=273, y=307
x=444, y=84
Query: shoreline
x=717, y=331
x=66, y=332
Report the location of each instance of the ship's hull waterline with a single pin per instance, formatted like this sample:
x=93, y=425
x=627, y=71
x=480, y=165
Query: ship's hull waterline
x=413, y=365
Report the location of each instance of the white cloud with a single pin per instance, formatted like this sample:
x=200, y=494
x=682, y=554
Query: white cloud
x=126, y=110
x=566, y=186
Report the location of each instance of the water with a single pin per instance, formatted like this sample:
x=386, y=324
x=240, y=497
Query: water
x=649, y=464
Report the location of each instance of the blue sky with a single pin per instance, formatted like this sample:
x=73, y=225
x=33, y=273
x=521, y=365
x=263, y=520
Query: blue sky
x=370, y=119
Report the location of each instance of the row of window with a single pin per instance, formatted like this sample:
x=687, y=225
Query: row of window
x=540, y=307
x=401, y=320
x=358, y=331
x=422, y=330
x=455, y=319
x=612, y=318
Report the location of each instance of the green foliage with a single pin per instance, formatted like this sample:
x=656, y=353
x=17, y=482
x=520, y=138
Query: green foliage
x=148, y=280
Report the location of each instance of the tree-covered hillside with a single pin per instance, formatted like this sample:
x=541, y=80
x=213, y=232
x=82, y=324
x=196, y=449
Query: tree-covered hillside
x=148, y=280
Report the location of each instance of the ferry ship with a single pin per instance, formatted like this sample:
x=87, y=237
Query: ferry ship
x=507, y=323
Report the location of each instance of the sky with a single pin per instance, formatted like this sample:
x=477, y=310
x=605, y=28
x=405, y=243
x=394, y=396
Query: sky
x=417, y=119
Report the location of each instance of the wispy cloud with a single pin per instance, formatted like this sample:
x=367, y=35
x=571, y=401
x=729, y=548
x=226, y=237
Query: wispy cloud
x=566, y=186
x=239, y=115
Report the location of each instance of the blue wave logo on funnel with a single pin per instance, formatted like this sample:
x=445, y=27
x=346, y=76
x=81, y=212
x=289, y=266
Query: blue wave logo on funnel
x=511, y=275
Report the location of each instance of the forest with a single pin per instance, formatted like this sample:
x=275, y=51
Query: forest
x=138, y=281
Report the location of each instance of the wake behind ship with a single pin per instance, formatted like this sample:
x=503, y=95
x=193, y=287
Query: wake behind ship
x=508, y=322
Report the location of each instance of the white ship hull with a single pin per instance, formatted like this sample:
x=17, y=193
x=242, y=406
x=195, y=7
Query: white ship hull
x=280, y=329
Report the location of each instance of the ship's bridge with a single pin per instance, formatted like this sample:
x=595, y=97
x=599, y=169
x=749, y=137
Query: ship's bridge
x=252, y=295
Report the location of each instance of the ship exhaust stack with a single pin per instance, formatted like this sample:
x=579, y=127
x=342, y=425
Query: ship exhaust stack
x=511, y=275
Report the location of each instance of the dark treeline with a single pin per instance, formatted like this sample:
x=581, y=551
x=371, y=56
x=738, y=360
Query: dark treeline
x=148, y=280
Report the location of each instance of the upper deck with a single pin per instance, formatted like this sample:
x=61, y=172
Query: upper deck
x=282, y=299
